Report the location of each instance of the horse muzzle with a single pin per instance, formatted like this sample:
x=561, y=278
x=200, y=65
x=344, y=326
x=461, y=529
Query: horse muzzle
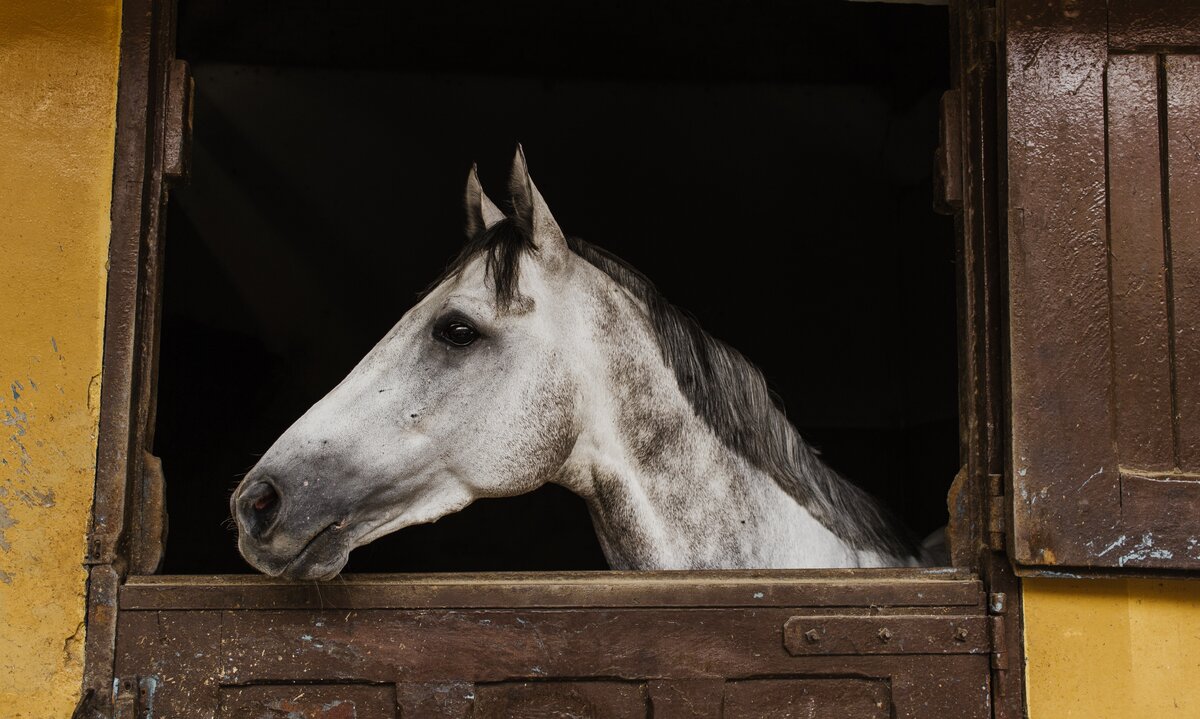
x=271, y=545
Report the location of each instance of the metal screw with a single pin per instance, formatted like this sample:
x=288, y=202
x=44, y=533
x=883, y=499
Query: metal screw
x=960, y=635
x=885, y=634
x=813, y=636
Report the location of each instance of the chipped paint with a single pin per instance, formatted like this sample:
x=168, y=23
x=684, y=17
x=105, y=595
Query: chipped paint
x=1145, y=549
x=58, y=71
x=1120, y=542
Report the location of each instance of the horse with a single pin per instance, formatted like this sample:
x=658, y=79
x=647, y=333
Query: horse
x=538, y=357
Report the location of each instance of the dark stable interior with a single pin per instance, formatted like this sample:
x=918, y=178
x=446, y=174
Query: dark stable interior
x=767, y=164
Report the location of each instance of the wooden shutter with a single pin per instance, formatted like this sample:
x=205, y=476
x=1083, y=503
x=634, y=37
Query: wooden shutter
x=1103, y=112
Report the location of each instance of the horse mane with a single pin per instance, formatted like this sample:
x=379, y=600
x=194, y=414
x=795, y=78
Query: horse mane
x=725, y=389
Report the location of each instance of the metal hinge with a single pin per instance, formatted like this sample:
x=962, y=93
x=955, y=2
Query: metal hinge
x=177, y=123
x=997, y=512
x=947, y=158
x=989, y=25
x=133, y=697
x=997, y=612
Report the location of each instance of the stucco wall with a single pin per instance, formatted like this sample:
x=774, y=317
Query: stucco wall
x=1097, y=649
x=58, y=76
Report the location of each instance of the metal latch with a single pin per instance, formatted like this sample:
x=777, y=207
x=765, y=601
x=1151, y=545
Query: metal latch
x=824, y=635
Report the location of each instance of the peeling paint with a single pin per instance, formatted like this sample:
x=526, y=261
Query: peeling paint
x=1120, y=542
x=1144, y=550
x=6, y=521
x=58, y=64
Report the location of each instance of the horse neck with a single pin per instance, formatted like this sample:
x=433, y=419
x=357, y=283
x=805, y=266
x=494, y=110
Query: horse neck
x=663, y=490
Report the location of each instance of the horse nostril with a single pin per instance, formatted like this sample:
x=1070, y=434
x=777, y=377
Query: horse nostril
x=259, y=508
x=267, y=500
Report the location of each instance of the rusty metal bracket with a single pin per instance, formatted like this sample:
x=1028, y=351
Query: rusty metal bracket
x=997, y=609
x=997, y=511
x=102, y=548
x=824, y=635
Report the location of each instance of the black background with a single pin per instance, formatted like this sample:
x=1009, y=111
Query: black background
x=767, y=164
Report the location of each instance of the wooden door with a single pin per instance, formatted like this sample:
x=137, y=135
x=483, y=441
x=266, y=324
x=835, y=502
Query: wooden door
x=1104, y=283
x=738, y=645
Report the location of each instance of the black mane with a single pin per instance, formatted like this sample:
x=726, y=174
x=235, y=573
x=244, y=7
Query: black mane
x=728, y=392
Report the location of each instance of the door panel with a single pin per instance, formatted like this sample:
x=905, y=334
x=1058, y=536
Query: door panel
x=1104, y=287
x=572, y=649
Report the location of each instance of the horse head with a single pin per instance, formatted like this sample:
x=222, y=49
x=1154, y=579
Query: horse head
x=471, y=394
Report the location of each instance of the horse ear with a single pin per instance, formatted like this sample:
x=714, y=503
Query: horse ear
x=531, y=209
x=482, y=213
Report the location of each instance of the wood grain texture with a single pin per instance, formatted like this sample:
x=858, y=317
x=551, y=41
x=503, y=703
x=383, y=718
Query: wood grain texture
x=749, y=588
x=1140, y=331
x=1145, y=24
x=1183, y=150
x=688, y=661
x=1063, y=465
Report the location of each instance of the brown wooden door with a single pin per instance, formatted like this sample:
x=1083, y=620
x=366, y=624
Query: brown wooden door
x=738, y=645
x=1104, y=282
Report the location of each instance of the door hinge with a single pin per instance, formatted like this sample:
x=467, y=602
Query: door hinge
x=989, y=25
x=997, y=512
x=997, y=613
x=177, y=123
x=133, y=697
x=947, y=157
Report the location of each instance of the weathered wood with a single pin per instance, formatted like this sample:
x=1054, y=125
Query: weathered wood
x=686, y=698
x=1059, y=320
x=1182, y=79
x=504, y=661
x=551, y=700
x=1140, y=333
x=814, y=588
x=307, y=701
x=1153, y=24
x=1103, y=287
x=810, y=698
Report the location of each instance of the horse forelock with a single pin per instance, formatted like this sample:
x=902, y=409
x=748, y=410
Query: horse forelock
x=725, y=390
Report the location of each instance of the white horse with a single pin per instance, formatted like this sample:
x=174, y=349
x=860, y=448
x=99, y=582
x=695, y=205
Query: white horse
x=539, y=358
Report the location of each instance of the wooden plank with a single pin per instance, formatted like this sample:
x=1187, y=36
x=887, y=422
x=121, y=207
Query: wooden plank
x=195, y=655
x=1140, y=332
x=307, y=701
x=811, y=699
x=436, y=700
x=821, y=588
x=1163, y=514
x=1153, y=24
x=501, y=645
x=1062, y=460
x=538, y=700
x=686, y=698
x=1183, y=180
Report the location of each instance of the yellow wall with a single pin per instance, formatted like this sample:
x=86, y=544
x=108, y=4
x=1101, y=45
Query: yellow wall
x=1112, y=648
x=58, y=76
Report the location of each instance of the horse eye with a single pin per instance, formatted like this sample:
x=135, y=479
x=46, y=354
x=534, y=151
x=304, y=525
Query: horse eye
x=457, y=333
